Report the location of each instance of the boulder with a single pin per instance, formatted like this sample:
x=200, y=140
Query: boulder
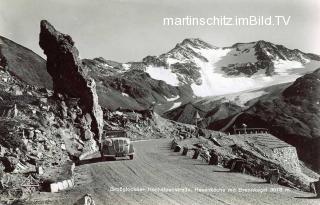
x=85, y=200
x=317, y=188
x=196, y=154
x=69, y=75
x=9, y=163
x=87, y=135
x=274, y=177
x=177, y=148
x=30, y=134
x=10, y=111
x=185, y=151
x=214, y=159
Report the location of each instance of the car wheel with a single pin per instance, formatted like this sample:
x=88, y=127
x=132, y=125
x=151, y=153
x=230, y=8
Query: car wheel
x=131, y=157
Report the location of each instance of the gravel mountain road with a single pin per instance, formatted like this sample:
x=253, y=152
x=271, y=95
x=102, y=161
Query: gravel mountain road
x=157, y=175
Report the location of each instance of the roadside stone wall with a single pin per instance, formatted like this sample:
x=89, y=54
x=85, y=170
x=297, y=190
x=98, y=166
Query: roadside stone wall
x=287, y=156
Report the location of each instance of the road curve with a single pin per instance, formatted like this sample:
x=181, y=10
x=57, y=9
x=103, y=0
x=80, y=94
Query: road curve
x=155, y=166
x=230, y=122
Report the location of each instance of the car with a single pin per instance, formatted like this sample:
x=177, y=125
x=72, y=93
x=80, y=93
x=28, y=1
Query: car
x=116, y=144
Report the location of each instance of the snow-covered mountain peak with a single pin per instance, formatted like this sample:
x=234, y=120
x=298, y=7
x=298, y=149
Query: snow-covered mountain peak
x=196, y=43
x=186, y=51
x=211, y=70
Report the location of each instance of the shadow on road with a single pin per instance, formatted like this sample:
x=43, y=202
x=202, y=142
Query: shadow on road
x=201, y=164
x=167, y=147
x=164, y=148
x=94, y=160
x=222, y=171
x=174, y=154
x=306, y=197
x=257, y=182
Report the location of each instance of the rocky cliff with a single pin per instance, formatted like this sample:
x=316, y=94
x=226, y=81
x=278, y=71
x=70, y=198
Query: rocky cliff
x=70, y=77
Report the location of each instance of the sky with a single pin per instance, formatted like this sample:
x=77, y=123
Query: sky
x=129, y=30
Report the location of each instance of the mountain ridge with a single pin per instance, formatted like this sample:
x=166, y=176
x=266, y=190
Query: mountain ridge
x=23, y=63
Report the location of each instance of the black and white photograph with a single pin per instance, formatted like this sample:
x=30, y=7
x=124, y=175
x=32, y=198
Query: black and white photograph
x=159, y=102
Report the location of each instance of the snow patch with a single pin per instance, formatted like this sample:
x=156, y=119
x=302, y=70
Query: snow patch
x=171, y=61
x=107, y=65
x=175, y=105
x=118, y=113
x=282, y=67
x=126, y=66
x=172, y=99
x=125, y=94
x=241, y=99
x=160, y=73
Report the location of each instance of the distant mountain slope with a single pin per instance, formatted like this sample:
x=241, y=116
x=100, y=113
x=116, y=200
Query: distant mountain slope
x=134, y=89
x=215, y=108
x=185, y=113
x=188, y=112
x=292, y=115
x=24, y=63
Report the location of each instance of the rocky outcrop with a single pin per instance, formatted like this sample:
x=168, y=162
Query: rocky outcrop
x=70, y=78
x=305, y=90
x=249, y=69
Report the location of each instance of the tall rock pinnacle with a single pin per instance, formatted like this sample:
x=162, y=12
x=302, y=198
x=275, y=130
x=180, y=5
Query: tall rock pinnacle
x=68, y=74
